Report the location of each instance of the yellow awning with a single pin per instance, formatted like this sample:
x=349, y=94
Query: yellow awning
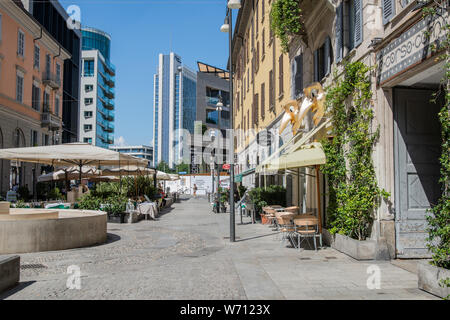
x=307, y=155
x=296, y=143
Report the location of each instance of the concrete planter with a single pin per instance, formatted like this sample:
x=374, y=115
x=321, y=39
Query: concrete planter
x=9, y=272
x=359, y=250
x=429, y=278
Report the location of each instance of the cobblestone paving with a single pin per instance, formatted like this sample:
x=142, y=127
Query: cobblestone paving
x=183, y=255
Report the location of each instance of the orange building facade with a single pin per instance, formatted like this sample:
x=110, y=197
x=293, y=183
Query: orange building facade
x=31, y=82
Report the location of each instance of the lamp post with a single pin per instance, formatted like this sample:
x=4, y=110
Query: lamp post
x=231, y=4
x=219, y=111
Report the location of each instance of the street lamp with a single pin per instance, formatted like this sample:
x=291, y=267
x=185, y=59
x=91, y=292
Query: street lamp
x=219, y=107
x=231, y=4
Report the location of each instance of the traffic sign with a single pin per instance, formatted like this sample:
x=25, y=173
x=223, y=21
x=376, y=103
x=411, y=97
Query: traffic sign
x=226, y=167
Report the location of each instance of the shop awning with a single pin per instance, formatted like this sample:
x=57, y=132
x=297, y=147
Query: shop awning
x=295, y=144
x=307, y=155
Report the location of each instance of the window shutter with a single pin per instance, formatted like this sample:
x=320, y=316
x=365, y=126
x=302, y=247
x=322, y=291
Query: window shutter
x=327, y=53
x=263, y=100
x=298, y=80
x=316, y=65
x=358, y=22
x=388, y=9
x=339, y=32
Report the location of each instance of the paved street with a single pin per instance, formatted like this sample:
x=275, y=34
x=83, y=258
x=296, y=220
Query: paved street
x=184, y=255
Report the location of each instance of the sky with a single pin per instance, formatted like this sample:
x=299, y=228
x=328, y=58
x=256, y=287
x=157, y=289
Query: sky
x=140, y=30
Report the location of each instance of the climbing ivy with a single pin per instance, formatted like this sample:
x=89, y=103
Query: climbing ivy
x=439, y=220
x=285, y=20
x=353, y=190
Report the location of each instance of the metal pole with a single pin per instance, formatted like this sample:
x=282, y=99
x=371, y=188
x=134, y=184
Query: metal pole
x=230, y=39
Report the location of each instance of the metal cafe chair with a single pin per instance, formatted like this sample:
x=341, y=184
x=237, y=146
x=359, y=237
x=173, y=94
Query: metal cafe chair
x=307, y=228
x=286, y=227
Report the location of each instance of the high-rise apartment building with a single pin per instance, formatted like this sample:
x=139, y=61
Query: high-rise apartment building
x=174, y=108
x=52, y=16
x=97, y=89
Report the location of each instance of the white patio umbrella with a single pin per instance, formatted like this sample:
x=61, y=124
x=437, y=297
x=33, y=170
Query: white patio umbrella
x=70, y=173
x=71, y=154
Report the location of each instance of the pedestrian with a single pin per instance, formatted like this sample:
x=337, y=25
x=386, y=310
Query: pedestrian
x=195, y=190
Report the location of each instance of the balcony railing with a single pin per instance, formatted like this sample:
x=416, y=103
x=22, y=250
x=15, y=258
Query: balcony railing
x=110, y=139
x=110, y=115
x=51, y=79
x=49, y=120
x=109, y=127
x=108, y=103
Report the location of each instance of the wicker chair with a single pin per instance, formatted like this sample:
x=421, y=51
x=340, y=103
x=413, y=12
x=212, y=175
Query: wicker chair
x=307, y=228
x=292, y=209
x=286, y=227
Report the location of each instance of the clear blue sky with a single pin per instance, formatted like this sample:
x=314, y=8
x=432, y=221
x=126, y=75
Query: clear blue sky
x=140, y=30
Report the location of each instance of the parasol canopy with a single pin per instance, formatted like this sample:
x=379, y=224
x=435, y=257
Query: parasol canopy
x=127, y=170
x=70, y=173
x=70, y=154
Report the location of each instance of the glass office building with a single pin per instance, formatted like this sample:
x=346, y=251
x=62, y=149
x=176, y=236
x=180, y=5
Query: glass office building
x=174, y=107
x=97, y=89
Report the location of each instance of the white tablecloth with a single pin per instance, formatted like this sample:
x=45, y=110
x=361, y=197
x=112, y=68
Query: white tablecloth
x=148, y=209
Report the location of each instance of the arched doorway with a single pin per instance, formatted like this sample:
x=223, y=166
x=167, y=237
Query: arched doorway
x=17, y=174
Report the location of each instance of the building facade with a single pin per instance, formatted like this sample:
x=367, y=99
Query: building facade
x=261, y=86
x=31, y=90
x=389, y=36
x=143, y=152
x=52, y=16
x=97, y=89
x=174, y=109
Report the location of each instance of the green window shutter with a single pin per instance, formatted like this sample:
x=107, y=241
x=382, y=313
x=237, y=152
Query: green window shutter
x=388, y=9
x=358, y=22
x=339, y=32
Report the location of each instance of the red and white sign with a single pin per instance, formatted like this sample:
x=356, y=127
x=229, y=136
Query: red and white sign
x=226, y=167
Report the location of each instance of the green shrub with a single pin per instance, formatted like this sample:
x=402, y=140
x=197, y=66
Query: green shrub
x=54, y=194
x=286, y=20
x=262, y=197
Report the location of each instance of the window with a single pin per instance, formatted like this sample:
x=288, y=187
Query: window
x=19, y=88
x=0, y=27
x=263, y=41
x=88, y=127
x=88, y=114
x=46, y=140
x=88, y=68
x=48, y=63
x=280, y=76
x=36, y=57
x=21, y=44
x=388, y=9
x=58, y=72
x=46, y=105
x=322, y=60
x=263, y=99
x=57, y=105
x=255, y=109
x=34, y=138
x=87, y=140
x=88, y=88
x=88, y=101
x=349, y=27
x=36, y=97
x=297, y=69
x=271, y=91
x=263, y=10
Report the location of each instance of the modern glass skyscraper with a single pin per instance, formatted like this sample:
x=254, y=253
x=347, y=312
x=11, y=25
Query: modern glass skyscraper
x=174, y=107
x=97, y=89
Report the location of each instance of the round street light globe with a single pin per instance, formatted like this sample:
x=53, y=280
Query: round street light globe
x=225, y=28
x=234, y=4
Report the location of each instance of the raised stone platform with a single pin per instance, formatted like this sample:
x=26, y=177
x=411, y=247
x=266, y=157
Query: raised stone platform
x=35, y=230
x=9, y=272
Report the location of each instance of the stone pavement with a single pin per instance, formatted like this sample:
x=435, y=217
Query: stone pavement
x=184, y=255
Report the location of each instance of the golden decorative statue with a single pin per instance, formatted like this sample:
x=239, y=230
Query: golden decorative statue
x=313, y=100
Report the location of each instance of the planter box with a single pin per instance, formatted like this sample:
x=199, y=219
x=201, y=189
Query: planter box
x=359, y=250
x=9, y=272
x=116, y=219
x=430, y=277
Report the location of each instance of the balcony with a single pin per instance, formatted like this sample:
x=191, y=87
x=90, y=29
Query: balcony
x=109, y=127
x=110, y=139
x=51, y=79
x=108, y=103
x=50, y=121
x=110, y=116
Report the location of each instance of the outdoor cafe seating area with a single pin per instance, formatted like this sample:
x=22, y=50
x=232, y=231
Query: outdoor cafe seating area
x=293, y=226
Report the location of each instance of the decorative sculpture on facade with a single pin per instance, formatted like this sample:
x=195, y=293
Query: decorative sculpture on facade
x=313, y=100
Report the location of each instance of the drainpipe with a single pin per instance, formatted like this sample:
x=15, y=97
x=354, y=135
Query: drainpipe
x=40, y=37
